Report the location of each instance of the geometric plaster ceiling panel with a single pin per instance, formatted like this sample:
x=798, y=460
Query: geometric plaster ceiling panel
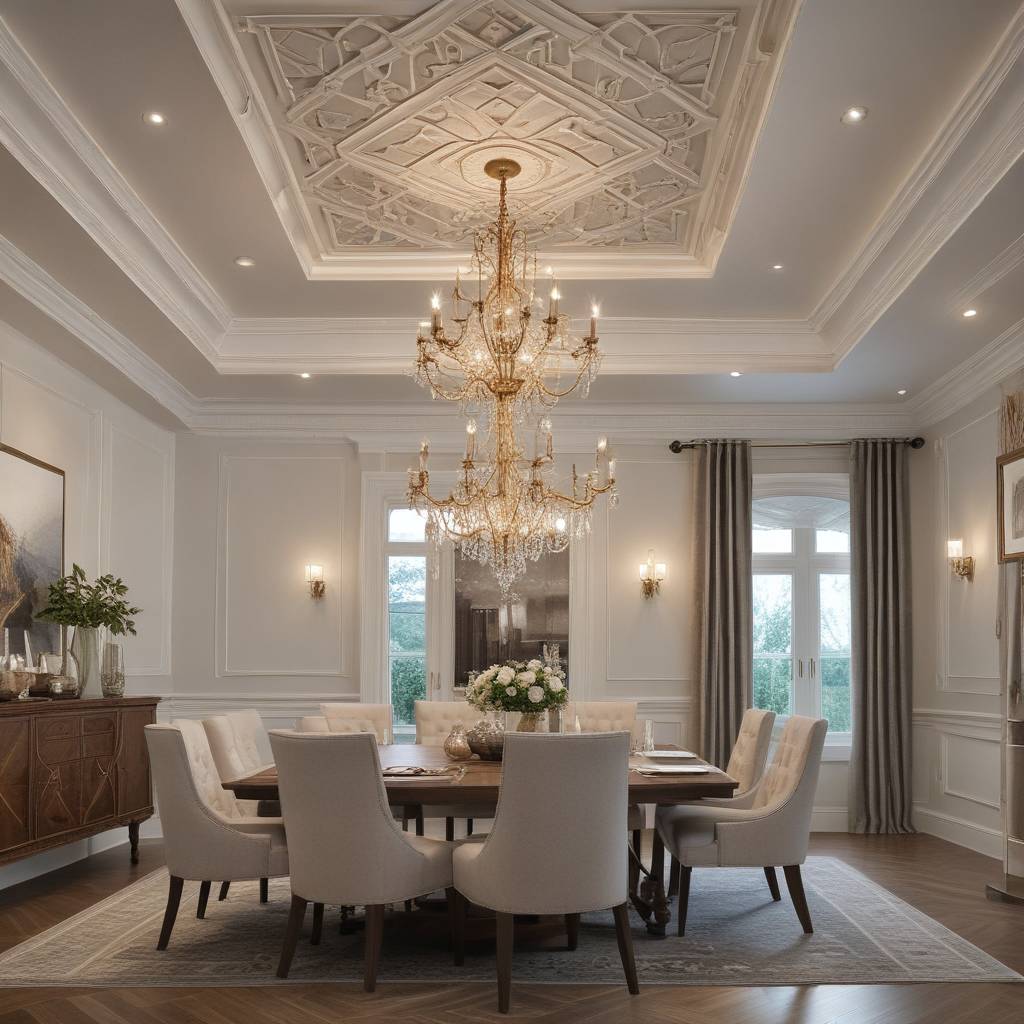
x=634, y=131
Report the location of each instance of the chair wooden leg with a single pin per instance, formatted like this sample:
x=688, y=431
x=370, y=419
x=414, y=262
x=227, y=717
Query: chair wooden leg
x=173, y=901
x=264, y=890
x=625, y=939
x=796, y=891
x=296, y=916
x=318, y=924
x=773, y=883
x=469, y=826
x=457, y=917
x=223, y=894
x=204, y=898
x=449, y=829
x=419, y=821
x=572, y=929
x=684, y=897
x=374, y=935
x=506, y=940
x=673, y=878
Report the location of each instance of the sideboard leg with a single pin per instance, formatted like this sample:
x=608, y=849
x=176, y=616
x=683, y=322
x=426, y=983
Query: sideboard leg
x=133, y=840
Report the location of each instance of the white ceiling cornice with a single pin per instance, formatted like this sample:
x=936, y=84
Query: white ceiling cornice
x=40, y=130
x=990, y=275
x=982, y=138
x=33, y=283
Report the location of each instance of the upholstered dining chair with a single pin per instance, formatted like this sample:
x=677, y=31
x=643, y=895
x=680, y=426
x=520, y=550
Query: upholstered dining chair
x=562, y=854
x=746, y=765
x=345, y=847
x=312, y=723
x=611, y=716
x=358, y=717
x=234, y=744
x=435, y=719
x=767, y=826
x=205, y=836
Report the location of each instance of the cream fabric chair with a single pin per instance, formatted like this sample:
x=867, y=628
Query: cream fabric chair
x=356, y=717
x=312, y=723
x=234, y=744
x=435, y=719
x=767, y=826
x=556, y=853
x=345, y=847
x=746, y=765
x=205, y=835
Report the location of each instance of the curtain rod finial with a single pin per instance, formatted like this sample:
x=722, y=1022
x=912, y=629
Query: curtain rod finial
x=676, y=447
x=916, y=443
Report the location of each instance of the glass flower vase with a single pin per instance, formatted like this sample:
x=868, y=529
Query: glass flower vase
x=112, y=670
x=85, y=650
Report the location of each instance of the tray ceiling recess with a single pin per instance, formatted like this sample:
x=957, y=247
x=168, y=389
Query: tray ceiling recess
x=634, y=130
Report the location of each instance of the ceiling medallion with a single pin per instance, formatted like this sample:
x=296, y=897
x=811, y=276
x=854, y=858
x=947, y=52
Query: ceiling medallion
x=506, y=366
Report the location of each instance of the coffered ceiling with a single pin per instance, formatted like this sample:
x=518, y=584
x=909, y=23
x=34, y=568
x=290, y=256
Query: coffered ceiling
x=673, y=153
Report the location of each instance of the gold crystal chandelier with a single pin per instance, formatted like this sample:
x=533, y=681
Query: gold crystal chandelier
x=506, y=366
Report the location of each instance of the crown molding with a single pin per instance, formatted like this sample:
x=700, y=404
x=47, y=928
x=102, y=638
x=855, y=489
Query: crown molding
x=969, y=380
x=33, y=283
x=42, y=133
x=990, y=275
x=977, y=144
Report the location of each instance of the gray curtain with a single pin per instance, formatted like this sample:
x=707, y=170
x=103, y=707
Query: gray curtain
x=723, y=494
x=880, y=765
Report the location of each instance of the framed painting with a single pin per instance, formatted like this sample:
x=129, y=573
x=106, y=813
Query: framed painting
x=31, y=548
x=1010, y=505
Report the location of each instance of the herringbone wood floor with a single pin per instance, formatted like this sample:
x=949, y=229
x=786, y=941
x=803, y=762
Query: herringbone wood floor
x=940, y=879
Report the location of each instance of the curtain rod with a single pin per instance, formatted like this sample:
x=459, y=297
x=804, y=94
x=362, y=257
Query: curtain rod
x=914, y=442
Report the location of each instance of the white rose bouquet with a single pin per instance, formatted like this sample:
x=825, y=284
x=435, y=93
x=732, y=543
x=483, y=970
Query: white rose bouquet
x=527, y=686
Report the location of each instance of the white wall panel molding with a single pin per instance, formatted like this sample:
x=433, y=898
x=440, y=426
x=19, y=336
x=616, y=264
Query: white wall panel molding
x=303, y=637
x=967, y=658
x=970, y=768
x=270, y=706
x=40, y=130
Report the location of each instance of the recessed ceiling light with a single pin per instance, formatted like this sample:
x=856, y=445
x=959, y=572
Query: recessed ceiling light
x=155, y=118
x=776, y=266
x=245, y=261
x=735, y=373
x=970, y=312
x=305, y=376
x=902, y=391
x=854, y=115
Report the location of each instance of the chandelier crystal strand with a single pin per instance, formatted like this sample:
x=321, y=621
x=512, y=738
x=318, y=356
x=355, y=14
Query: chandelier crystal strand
x=504, y=365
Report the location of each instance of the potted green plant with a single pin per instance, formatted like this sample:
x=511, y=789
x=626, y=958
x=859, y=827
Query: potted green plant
x=74, y=601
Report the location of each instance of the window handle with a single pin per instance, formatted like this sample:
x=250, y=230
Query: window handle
x=811, y=666
x=800, y=668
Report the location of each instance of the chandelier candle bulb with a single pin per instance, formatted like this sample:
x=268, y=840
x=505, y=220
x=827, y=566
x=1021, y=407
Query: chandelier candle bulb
x=424, y=452
x=470, y=440
x=435, y=316
x=611, y=470
x=595, y=312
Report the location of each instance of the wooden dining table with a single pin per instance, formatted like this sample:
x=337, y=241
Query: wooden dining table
x=474, y=783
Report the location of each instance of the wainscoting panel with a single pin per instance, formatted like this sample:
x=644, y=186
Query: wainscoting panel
x=276, y=515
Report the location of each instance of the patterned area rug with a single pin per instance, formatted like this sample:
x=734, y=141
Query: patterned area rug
x=736, y=936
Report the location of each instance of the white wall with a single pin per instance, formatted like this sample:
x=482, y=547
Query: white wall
x=956, y=670
x=119, y=497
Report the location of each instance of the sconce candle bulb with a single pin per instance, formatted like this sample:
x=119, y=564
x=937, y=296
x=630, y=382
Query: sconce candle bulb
x=962, y=565
x=315, y=580
x=652, y=574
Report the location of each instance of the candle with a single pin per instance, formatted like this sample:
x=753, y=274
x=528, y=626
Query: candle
x=595, y=312
x=470, y=439
x=424, y=452
x=602, y=445
x=435, y=306
x=555, y=296
x=611, y=469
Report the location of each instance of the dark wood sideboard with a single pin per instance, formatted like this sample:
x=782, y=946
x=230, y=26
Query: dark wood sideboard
x=70, y=769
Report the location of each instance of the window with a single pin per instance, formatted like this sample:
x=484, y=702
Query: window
x=801, y=596
x=407, y=618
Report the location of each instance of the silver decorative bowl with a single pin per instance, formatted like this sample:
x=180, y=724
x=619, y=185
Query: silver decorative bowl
x=487, y=740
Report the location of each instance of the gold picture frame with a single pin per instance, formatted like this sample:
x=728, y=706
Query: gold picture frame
x=1010, y=505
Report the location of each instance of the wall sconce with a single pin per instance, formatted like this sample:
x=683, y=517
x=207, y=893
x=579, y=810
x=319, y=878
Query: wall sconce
x=315, y=579
x=962, y=566
x=651, y=574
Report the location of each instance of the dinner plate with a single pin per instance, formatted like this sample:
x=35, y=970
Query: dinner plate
x=674, y=769
x=669, y=755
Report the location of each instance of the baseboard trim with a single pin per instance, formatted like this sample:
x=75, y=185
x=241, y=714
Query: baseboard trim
x=830, y=819
x=970, y=834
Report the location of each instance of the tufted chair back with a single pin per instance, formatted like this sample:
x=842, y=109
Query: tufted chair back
x=373, y=718
x=750, y=751
x=250, y=739
x=798, y=754
x=312, y=723
x=436, y=718
x=204, y=769
x=602, y=715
